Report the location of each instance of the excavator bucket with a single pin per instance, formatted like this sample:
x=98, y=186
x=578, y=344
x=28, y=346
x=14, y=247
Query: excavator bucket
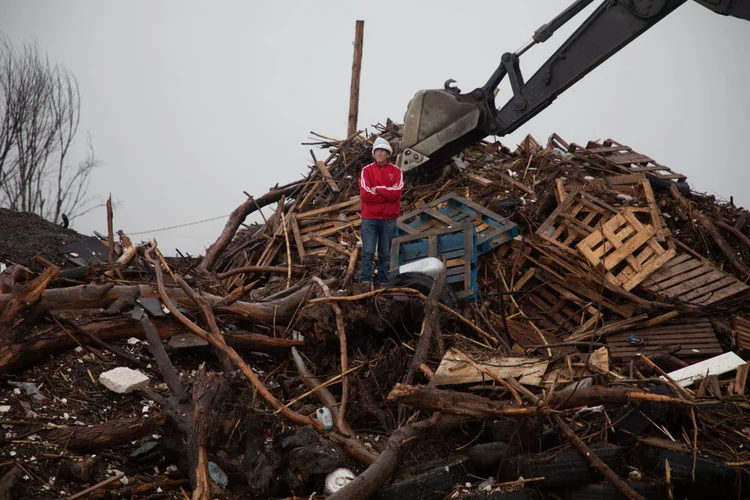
x=437, y=125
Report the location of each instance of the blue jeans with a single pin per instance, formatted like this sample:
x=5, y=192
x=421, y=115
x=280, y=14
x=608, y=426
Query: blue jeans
x=376, y=232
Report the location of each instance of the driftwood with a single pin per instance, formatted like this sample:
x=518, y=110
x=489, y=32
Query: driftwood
x=102, y=296
x=341, y=414
x=107, y=435
x=17, y=355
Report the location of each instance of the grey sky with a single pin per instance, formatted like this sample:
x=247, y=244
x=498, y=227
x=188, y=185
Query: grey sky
x=190, y=103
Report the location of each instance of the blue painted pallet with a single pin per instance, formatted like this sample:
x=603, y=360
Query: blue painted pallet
x=492, y=229
x=455, y=246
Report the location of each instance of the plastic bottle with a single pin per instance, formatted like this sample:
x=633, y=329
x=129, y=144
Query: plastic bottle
x=324, y=417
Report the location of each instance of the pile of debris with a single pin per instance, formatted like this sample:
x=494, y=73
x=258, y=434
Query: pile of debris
x=581, y=338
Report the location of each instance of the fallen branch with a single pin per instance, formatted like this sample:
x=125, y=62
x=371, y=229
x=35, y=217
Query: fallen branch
x=382, y=469
x=344, y=357
x=451, y=402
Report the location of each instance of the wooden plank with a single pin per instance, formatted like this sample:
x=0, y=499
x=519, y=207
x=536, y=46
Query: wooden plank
x=468, y=256
x=297, y=238
x=627, y=159
x=327, y=176
x=325, y=210
x=455, y=370
x=478, y=178
x=696, y=339
x=559, y=190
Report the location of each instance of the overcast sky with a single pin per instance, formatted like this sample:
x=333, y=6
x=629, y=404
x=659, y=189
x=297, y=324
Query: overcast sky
x=190, y=103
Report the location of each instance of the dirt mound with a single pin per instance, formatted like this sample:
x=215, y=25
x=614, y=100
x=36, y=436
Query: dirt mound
x=24, y=235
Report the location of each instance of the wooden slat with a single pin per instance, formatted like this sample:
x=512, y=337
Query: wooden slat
x=297, y=238
x=696, y=340
x=741, y=328
x=689, y=280
x=325, y=210
x=327, y=176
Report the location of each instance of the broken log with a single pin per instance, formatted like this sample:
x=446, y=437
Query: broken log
x=166, y=368
x=343, y=351
x=107, y=435
x=22, y=301
x=102, y=296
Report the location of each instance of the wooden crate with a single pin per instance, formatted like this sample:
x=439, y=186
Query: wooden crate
x=696, y=340
x=574, y=219
x=625, y=250
x=454, y=246
x=687, y=279
x=492, y=229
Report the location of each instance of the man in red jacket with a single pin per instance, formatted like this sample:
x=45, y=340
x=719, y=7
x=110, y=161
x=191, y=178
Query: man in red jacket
x=380, y=185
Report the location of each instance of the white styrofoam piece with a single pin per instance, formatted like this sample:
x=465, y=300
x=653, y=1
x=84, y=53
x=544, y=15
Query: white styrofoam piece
x=717, y=365
x=123, y=380
x=430, y=266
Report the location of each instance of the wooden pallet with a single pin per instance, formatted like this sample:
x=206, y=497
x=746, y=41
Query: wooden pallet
x=574, y=219
x=636, y=186
x=623, y=158
x=492, y=229
x=696, y=340
x=741, y=328
x=625, y=250
x=553, y=265
x=454, y=246
x=687, y=279
x=552, y=307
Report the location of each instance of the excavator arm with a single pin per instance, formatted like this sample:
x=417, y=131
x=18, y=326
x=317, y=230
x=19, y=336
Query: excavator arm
x=442, y=122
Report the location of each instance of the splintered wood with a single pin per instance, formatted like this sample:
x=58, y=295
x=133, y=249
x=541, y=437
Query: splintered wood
x=626, y=250
x=454, y=370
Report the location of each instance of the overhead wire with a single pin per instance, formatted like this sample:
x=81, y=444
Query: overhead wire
x=178, y=226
